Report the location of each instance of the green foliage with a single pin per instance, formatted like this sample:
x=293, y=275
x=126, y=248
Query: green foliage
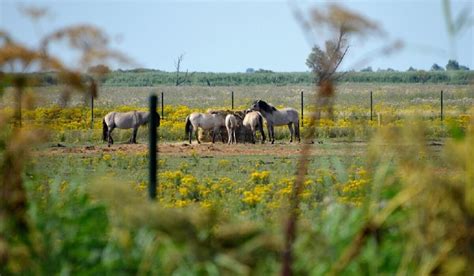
x=452, y=65
x=83, y=223
x=70, y=229
x=436, y=67
x=147, y=77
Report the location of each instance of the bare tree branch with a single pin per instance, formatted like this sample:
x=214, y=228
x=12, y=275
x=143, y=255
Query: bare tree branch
x=181, y=79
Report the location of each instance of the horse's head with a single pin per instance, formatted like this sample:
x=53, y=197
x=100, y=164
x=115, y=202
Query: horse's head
x=255, y=106
x=260, y=105
x=145, y=118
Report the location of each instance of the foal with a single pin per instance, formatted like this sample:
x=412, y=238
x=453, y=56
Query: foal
x=232, y=122
x=253, y=120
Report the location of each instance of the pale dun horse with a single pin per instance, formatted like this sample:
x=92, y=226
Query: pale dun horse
x=232, y=122
x=253, y=120
x=124, y=120
x=213, y=121
x=275, y=117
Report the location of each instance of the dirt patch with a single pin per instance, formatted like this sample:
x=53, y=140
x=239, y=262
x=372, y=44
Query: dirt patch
x=209, y=149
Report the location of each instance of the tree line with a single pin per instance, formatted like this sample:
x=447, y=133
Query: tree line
x=144, y=77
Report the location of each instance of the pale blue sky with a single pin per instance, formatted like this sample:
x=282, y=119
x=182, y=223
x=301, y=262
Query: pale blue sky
x=231, y=36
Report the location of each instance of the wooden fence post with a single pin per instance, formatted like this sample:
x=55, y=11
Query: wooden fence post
x=302, y=105
x=152, y=148
x=92, y=111
x=19, y=99
x=442, y=115
x=162, y=105
x=371, y=106
x=232, y=96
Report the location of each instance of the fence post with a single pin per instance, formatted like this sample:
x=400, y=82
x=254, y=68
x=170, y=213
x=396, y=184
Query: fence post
x=152, y=147
x=162, y=104
x=442, y=105
x=19, y=98
x=302, y=105
x=371, y=106
x=92, y=111
x=232, y=96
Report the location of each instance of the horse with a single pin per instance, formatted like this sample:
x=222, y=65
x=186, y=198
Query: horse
x=275, y=117
x=232, y=122
x=253, y=120
x=206, y=121
x=124, y=120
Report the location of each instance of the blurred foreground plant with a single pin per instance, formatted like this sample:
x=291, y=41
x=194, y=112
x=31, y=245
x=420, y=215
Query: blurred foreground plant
x=16, y=60
x=433, y=207
x=342, y=25
x=16, y=248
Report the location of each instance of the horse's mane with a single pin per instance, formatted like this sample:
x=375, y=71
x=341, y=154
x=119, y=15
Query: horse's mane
x=265, y=106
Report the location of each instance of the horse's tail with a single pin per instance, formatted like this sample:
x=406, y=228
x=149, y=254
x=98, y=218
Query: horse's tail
x=105, y=130
x=187, y=128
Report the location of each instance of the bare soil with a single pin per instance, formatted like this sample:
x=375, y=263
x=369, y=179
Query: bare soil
x=217, y=149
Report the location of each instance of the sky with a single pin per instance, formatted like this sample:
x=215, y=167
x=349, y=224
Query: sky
x=231, y=36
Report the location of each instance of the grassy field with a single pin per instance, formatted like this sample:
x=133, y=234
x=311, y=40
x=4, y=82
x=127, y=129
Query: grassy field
x=461, y=96
x=393, y=105
x=398, y=194
x=222, y=208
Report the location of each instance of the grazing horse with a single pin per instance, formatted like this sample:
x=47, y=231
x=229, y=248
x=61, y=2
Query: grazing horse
x=275, y=117
x=205, y=121
x=232, y=122
x=253, y=120
x=125, y=120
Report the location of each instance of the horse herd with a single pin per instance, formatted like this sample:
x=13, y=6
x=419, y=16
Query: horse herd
x=251, y=119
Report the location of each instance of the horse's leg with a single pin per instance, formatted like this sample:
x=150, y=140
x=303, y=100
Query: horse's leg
x=229, y=133
x=214, y=135
x=134, y=135
x=197, y=136
x=222, y=135
x=109, y=135
x=297, y=131
x=190, y=134
x=290, y=126
x=263, y=134
x=273, y=134
x=254, y=135
x=235, y=139
x=269, y=129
